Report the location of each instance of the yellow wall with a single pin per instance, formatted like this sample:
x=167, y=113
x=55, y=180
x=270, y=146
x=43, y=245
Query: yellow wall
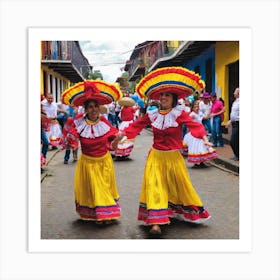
x=55, y=74
x=173, y=44
x=225, y=53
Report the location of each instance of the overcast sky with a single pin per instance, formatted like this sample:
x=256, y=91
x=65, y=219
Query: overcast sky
x=108, y=56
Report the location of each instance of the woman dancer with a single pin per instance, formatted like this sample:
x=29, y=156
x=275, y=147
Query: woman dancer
x=167, y=190
x=96, y=193
x=198, y=152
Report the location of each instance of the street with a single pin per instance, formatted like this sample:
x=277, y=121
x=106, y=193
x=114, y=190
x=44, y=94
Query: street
x=218, y=189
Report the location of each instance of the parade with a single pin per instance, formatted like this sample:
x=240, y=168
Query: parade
x=169, y=124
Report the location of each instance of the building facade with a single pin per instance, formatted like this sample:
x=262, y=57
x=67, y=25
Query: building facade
x=62, y=64
x=217, y=62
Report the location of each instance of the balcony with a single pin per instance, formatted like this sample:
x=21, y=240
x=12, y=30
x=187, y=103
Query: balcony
x=137, y=69
x=66, y=58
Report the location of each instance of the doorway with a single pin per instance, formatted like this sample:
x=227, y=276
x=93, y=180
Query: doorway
x=233, y=82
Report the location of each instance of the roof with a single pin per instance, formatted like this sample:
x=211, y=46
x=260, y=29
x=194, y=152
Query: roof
x=187, y=51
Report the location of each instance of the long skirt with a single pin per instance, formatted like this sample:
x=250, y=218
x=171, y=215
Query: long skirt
x=197, y=151
x=167, y=191
x=125, y=147
x=96, y=193
x=55, y=133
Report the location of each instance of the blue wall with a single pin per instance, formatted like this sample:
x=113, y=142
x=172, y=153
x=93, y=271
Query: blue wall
x=201, y=62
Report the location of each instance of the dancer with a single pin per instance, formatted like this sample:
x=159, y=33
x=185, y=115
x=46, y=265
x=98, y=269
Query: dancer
x=127, y=117
x=69, y=143
x=167, y=190
x=198, y=152
x=96, y=192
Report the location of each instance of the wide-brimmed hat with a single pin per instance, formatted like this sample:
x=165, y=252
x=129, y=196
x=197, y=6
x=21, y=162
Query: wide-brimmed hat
x=102, y=92
x=206, y=95
x=176, y=80
x=126, y=101
x=103, y=109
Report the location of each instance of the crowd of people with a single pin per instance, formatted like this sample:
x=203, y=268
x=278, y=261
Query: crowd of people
x=94, y=116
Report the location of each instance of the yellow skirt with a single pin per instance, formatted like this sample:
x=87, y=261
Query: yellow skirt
x=96, y=192
x=167, y=191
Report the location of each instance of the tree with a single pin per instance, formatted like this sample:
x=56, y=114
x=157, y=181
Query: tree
x=96, y=74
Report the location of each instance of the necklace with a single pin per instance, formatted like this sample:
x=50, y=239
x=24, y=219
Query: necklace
x=90, y=121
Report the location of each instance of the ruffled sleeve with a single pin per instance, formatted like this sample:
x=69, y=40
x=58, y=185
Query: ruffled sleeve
x=135, y=128
x=196, y=129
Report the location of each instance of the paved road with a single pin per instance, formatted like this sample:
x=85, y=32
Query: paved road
x=218, y=189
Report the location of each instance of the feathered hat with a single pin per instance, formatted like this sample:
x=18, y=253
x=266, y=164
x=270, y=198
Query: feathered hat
x=102, y=92
x=177, y=80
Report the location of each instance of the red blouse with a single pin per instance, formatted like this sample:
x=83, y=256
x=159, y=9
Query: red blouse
x=169, y=138
x=97, y=146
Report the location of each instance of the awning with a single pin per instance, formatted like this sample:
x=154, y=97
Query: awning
x=65, y=68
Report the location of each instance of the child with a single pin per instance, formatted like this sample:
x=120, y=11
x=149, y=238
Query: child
x=68, y=142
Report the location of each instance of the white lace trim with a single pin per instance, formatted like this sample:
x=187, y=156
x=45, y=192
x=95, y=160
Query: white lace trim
x=161, y=121
x=91, y=130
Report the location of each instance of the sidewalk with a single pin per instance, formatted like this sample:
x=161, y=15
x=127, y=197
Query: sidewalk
x=224, y=155
x=50, y=155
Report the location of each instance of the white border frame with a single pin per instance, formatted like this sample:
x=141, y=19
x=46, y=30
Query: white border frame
x=244, y=36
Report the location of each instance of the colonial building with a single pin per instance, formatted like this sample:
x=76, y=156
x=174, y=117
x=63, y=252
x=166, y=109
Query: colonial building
x=62, y=64
x=216, y=61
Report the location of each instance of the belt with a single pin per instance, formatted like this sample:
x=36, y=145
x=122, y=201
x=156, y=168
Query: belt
x=233, y=122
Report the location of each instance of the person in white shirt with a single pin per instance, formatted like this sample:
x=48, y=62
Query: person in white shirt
x=55, y=132
x=234, y=122
x=112, y=114
x=205, y=109
x=62, y=113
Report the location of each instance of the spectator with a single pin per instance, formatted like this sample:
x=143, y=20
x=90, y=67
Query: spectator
x=45, y=127
x=205, y=106
x=217, y=111
x=112, y=114
x=234, y=122
x=54, y=134
x=62, y=113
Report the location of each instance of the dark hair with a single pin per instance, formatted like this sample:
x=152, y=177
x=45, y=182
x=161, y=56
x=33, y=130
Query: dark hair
x=86, y=103
x=175, y=100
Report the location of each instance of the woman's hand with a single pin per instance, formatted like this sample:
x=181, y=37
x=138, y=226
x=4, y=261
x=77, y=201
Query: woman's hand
x=116, y=141
x=119, y=136
x=228, y=124
x=206, y=142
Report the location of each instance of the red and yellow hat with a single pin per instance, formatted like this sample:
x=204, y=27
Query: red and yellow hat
x=102, y=92
x=177, y=80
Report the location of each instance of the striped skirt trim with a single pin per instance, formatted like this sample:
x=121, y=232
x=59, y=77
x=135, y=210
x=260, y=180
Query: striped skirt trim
x=197, y=158
x=193, y=214
x=99, y=212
